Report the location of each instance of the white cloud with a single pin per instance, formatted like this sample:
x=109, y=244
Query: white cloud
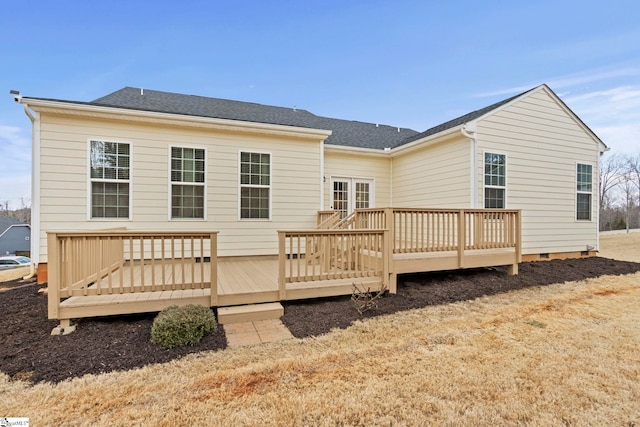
x=613, y=114
x=571, y=80
x=15, y=173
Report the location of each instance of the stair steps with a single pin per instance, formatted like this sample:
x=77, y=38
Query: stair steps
x=250, y=313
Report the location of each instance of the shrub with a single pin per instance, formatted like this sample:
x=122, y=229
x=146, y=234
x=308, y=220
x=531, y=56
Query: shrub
x=177, y=326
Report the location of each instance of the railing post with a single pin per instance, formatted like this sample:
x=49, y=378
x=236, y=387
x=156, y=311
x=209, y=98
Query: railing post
x=389, y=225
x=519, y=236
x=461, y=238
x=213, y=261
x=281, y=265
x=53, y=270
x=388, y=278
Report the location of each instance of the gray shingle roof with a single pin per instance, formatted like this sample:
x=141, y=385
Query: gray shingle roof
x=344, y=132
x=6, y=222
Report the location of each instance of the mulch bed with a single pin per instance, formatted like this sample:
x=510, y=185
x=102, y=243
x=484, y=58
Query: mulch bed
x=29, y=352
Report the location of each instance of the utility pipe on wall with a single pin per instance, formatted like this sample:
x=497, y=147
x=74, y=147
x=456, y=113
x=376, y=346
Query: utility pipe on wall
x=468, y=130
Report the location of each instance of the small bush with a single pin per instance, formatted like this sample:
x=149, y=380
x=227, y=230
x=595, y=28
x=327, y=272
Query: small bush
x=177, y=326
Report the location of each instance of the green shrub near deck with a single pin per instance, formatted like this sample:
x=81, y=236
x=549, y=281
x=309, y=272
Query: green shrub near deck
x=177, y=326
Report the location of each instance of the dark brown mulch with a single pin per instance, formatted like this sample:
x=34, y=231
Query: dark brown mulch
x=424, y=289
x=28, y=351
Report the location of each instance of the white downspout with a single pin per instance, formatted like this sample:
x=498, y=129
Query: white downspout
x=469, y=131
x=391, y=182
x=322, y=178
x=35, y=189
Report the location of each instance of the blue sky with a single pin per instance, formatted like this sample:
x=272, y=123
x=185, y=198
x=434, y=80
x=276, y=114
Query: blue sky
x=403, y=63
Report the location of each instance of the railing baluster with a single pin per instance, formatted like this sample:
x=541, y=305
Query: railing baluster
x=182, y=261
x=290, y=260
x=202, y=262
x=153, y=264
x=173, y=263
x=193, y=266
x=141, y=263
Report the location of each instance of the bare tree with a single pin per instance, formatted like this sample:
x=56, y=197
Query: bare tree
x=612, y=169
x=628, y=187
x=633, y=166
x=22, y=214
x=4, y=208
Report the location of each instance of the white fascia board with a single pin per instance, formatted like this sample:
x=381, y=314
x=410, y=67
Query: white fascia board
x=355, y=150
x=426, y=141
x=173, y=119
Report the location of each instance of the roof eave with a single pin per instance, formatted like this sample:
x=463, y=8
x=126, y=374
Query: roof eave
x=356, y=150
x=91, y=110
x=427, y=140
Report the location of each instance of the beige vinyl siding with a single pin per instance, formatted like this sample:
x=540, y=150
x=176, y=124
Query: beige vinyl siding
x=433, y=177
x=352, y=165
x=295, y=195
x=543, y=144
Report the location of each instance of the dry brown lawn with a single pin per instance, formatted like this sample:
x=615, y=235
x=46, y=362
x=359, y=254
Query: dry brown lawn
x=625, y=247
x=566, y=354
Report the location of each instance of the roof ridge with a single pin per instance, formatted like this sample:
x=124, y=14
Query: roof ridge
x=204, y=97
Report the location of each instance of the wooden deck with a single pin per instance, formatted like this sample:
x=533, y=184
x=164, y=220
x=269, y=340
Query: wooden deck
x=239, y=282
x=113, y=272
x=244, y=281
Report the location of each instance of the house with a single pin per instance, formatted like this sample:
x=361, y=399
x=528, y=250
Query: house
x=14, y=236
x=145, y=160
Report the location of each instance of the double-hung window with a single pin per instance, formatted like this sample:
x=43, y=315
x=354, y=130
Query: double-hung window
x=495, y=180
x=255, y=185
x=187, y=182
x=110, y=172
x=584, y=177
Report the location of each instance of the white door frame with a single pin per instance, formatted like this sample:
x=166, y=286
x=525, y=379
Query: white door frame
x=351, y=184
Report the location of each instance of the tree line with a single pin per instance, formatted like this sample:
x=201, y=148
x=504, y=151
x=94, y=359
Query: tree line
x=620, y=192
x=22, y=213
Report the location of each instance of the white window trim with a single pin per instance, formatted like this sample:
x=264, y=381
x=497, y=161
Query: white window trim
x=129, y=181
x=352, y=190
x=240, y=185
x=576, y=192
x=506, y=177
x=170, y=183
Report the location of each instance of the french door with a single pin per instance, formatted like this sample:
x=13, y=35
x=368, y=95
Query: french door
x=348, y=194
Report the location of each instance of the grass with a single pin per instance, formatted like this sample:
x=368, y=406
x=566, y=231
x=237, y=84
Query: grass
x=566, y=354
x=625, y=246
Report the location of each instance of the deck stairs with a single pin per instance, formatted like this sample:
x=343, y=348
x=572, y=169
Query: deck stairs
x=316, y=250
x=249, y=313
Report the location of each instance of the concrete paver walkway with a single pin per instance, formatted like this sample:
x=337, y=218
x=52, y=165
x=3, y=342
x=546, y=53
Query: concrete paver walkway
x=259, y=331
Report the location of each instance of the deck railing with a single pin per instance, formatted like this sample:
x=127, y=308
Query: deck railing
x=434, y=230
x=316, y=255
x=327, y=219
x=126, y=262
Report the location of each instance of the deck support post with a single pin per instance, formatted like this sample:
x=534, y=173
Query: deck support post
x=53, y=279
x=389, y=247
x=65, y=328
x=461, y=237
x=393, y=283
x=387, y=263
x=282, y=286
x=512, y=269
x=213, y=264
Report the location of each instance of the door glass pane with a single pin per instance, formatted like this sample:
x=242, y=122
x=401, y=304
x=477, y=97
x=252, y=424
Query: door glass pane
x=341, y=197
x=362, y=195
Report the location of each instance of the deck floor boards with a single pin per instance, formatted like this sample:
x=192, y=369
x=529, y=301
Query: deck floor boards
x=240, y=281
